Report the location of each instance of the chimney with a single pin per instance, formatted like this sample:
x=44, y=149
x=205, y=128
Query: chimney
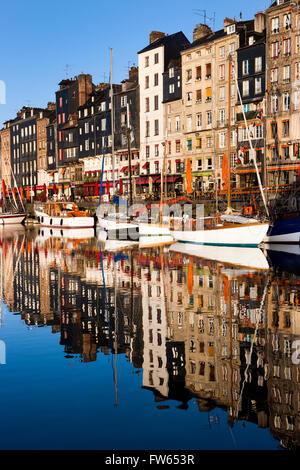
x=227, y=22
x=201, y=31
x=85, y=87
x=259, y=22
x=155, y=35
x=51, y=106
x=133, y=74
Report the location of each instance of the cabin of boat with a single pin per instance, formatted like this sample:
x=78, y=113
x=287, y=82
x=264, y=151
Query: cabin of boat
x=63, y=209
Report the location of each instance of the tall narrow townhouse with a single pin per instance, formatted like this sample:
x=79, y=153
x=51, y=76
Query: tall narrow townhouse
x=153, y=62
x=283, y=96
x=251, y=59
x=44, y=119
x=209, y=97
x=197, y=111
x=6, y=175
x=174, y=161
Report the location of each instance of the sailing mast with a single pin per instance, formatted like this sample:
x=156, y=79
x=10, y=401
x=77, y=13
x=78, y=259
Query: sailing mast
x=112, y=123
x=162, y=180
x=129, y=156
x=229, y=209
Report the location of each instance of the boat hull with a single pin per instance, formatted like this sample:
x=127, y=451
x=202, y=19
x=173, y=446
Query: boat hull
x=11, y=219
x=242, y=235
x=65, y=222
x=153, y=229
x=284, y=231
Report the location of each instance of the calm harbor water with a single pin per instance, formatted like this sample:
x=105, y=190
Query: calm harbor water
x=147, y=348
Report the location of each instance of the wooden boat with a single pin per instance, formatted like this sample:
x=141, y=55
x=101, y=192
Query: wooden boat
x=64, y=215
x=10, y=215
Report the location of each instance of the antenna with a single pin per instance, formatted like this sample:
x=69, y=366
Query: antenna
x=67, y=70
x=203, y=14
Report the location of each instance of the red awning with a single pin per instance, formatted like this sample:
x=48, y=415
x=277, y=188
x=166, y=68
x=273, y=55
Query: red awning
x=146, y=164
x=134, y=167
x=125, y=168
x=156, y=161
x=142, y=180
x=178, y=161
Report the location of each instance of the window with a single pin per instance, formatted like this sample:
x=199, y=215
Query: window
x=209, y=117
x=258, y=88
x=208, y=94
x=275, y=25
x=286, y=101
x=286, y=73
x=275, y=49
x=274, y=75
x=156, y=102
x=274, y=103
x=222, y=93
x=147, y=151
x=189, y=75
x=156, y=79
x=259, y=132
x=177, y=146
x=147, y=105
x=222, y=138
x=156, y=58
x=245, y=87
x=147, y=134
x=147, y=61
x=86, y=126
x=156, y=127
x=103, y=106
x=189, y=123
x=222, y=115
x=222, y=51
x=171, y=88
x=177, y=121
x=258, y=64
x=273, y=129
x=147, y=81
x=199, y=120
x=222, y=72
x=171, y=72
x=189, y=144
x=156, y=150
x=189, y=97
x=298, y=44
x=251, y=40
x=245, y=67
x=286, y=47
x=198, y=96
x=208, y=141
x=198, y=145
x=208, y=71
x=123, y=101
x=198, y=72
x=287, y=22
x=297, y=71
x=231, y=29
x=286, y=128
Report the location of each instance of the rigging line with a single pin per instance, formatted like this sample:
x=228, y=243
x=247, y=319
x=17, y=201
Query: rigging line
x=252, y=342
x=249, y=137
x=104, y=146
x=13, y=175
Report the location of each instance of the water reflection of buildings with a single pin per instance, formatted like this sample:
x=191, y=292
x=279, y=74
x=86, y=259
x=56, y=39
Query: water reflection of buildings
x=197, y=329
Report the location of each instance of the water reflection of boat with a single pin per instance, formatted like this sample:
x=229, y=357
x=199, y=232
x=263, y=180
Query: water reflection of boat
x=153, y=241
x=45, y=232
x=11, y=232
x=112, y=244
x=284, y=256
x=252, y=258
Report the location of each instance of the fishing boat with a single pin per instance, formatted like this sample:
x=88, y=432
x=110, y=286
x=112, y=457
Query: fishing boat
x=63, y=215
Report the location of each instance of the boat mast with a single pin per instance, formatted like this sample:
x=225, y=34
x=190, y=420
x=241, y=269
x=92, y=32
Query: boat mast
x=112, y=123
x=229, y=209
x=162, y=180
x=129, y=156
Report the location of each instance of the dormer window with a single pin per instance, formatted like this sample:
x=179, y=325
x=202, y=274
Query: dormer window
x=231, y=29
x=251, y=40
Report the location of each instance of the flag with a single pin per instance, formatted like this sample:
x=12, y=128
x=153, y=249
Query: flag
x=189, y=188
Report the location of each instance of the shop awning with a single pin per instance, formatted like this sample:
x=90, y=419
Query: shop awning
x=142, y=180
x=63, y=171
x=146, y=164
x=125, y=168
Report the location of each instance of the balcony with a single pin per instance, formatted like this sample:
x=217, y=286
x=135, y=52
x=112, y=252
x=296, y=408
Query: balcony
x=248, y=115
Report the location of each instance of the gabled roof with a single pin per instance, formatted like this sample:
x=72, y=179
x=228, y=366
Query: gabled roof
x=176, y=39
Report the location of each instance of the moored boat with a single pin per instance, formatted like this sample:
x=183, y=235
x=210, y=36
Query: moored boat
x=64, y=215
x=11, y=218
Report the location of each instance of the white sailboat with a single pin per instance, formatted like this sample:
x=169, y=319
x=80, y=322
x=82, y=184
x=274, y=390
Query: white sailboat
x=228, y=230
x=11, y=217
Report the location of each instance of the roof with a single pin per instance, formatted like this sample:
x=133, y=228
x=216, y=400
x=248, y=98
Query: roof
x=166, y=41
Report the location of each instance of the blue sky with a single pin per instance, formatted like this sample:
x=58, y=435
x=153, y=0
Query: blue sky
x=38, y=39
